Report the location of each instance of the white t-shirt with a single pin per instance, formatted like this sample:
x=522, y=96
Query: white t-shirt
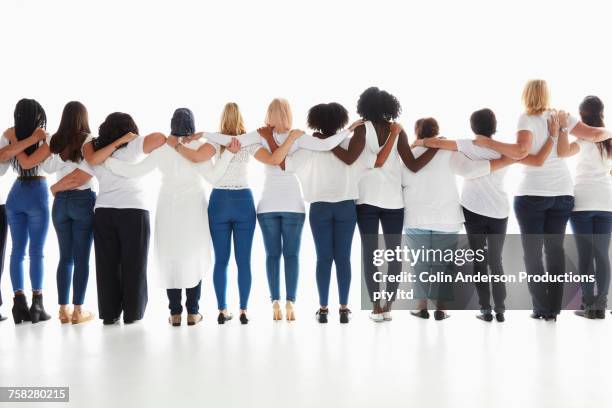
x=593, y=189
x=121, y=192
x=236, y=176
x=484, y=195
x=431, y=199
x=4, y=166
x=553, y=178
x=382, y=186
x=55, y=164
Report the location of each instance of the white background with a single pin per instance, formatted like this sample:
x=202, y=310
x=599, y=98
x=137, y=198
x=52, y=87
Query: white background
x=440, y=58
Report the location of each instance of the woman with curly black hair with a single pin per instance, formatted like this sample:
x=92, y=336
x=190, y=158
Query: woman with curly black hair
x=331, y=187
x=380, y=200
x=121, y=219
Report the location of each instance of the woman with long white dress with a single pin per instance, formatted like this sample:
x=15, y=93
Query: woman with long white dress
x=182, y=236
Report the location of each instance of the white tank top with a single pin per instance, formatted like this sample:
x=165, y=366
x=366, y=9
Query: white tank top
x=382, y=186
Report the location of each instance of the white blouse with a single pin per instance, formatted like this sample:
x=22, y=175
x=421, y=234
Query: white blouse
x=281, y=190
x=593, y=189
x=431, y=199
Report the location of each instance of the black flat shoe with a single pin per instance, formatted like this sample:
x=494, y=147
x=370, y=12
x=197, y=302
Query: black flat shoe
x=224, y=317
x=500, y=317
x=345, y=315
x=441, y=315
x=3, y=318
x=21, y=310
x=587, y=314
x=487, y=317
x=550, y=318
x=244, y=319
x=108, y=322
x=536, y=316
x=600, y=314
x=421, y=314
x=321, y=315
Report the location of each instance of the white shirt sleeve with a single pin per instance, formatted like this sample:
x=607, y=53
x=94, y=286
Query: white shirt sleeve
x=134, y=170
x=524, y=123
x=297, y=160
x=245, y=140
x=311, y=142
x=212, y=173
x=474, y=152
x=5, y=164
x=464, y=167
x=572, y=122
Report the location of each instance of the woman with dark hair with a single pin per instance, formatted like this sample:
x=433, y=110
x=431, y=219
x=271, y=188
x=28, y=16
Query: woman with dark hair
x=28, y=211
x=72, y=211
x=121, y=219
x=9, y=148
x=182, y=236
x=591, y=218
x=485, y=207
x=433, y=215
x=380, y=203
x=330, y=186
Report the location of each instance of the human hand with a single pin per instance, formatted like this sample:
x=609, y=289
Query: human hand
x=128, y=137
x=395, y=129
x=39, y=134
x=481, y=141
x=265, y=131
x=234, y=145
x=563, y=119
x=10, y=135
x=355, y=124
x=172, y=141
x=553, y=125
x=295, y=134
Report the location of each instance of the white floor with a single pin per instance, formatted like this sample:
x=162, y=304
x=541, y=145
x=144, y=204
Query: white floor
x=455, y=363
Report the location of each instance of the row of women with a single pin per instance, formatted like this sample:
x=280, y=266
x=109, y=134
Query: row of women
x=368, y=175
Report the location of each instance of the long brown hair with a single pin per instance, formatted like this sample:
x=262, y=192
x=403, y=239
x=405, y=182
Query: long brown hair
x=592, y=113
x=72, y=132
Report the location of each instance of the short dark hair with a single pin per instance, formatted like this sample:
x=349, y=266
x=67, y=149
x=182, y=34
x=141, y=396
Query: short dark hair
x=114, y=126
x=327, y=118
x=378, y=106
x=483, y=122
x=426, y=127
x=592, y=113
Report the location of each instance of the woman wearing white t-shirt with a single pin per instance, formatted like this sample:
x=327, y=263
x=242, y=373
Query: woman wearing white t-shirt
x=591, y=218
x=182, y=235
x=433, y=215
x=544, y=200
x=121, y=219
x=486, y=209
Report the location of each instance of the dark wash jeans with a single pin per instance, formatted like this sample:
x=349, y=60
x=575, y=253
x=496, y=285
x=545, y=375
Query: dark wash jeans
x=193, y=299
x=489, y=234
x=542, y=221
x=72, y=216
x=592, y=231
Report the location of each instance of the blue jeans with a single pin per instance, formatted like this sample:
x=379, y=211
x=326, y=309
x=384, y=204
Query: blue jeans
x=27, y=212
x=193, y=299
x=282, y=233
x=333, y=226
x=72, y=216
x=232, y=212
x=542, y=221
x=592, y=231
x=418, y=238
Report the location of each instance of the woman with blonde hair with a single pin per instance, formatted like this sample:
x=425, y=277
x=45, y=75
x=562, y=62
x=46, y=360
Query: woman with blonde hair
x=545, y=196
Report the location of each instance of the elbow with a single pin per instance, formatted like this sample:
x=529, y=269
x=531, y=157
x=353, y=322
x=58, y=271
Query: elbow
x=521, y=153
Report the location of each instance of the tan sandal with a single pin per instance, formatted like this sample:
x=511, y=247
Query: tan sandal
x=289, y=311
x=65, y=314
x=193, y=319
x=276, y=311
x=175, y=320
x=81, y=316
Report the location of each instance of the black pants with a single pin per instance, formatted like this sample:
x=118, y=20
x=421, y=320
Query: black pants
x=193, y=299
x=368, y=219
x=3, y=231
x=542, y=221
x=489, y=234
x=121, y=241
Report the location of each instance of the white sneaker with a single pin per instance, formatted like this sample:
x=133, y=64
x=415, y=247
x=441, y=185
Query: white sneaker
x=387, y=316
x=377, y=317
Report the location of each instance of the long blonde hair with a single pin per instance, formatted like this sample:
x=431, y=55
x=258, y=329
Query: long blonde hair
x=536, y=97
x=231, y=120
x=279, y=115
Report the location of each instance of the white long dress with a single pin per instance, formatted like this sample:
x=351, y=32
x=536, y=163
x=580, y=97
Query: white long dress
x=182, y=236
